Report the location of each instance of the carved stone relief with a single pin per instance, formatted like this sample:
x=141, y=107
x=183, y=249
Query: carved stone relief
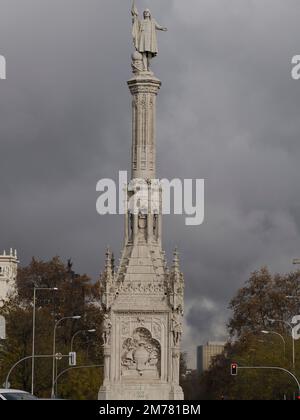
x=141, y=355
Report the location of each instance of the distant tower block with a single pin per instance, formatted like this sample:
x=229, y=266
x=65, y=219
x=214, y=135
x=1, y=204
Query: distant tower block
x=8, y=274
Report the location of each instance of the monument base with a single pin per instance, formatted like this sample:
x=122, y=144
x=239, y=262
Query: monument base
x=136, y=392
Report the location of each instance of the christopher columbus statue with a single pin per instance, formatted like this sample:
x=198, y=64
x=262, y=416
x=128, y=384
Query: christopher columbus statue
x=144, y=35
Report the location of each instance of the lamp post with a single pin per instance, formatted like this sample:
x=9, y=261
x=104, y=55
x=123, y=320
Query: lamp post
x=293, y=340
x=279, y=335
x=80, y=332
x=272, y=368
x=54, y=349
x=35, y=289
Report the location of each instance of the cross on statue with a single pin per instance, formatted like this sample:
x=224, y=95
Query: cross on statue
x=144, y=35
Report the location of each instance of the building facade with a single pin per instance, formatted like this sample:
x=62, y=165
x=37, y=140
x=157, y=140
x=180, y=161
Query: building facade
x=206, y=353
x=8, y=274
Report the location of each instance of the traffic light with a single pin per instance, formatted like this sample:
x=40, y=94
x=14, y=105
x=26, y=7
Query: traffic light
x=234, y=369
x=72, y=358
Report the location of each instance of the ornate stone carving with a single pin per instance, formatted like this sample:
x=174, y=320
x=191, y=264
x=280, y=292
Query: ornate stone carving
x=176, y=327
x=175, y=366
x=139, y=288
x=107, y=325
x=156, y=329
x=137, y=62
x=141, y=355
x=125, y=328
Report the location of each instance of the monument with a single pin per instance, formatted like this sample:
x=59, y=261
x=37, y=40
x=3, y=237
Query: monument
x=142, y=300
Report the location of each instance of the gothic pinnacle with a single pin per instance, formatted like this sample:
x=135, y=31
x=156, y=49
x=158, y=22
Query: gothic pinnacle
x=176, y=260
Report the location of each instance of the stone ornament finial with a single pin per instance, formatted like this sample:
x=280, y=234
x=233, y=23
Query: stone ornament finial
x=176, y=325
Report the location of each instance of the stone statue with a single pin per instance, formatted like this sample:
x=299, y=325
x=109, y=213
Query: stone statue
x=176, y=328
x=144, y=37
x=106, y=329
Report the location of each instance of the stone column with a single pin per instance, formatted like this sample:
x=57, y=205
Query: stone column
x=175, y=365
x=144, y=89
x=107, y=353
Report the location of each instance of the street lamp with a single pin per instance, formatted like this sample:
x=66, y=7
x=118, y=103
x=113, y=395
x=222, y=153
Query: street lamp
x=293, y=340
x=35, y=289
x=80, y=332
x=75, y=317
x=279, y=335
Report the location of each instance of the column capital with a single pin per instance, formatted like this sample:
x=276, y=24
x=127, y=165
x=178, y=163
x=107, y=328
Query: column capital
x=144, y=83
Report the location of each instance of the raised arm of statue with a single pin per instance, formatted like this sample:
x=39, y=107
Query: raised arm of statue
x=160, y=28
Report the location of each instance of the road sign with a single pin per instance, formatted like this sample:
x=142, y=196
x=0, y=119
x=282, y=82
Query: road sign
x=58, y=356
x=72, y=358
x=2, y=328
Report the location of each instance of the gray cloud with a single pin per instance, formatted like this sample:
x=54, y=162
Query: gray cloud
x=228, y=112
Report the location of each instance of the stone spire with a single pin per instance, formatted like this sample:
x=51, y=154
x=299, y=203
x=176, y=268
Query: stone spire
x=107, y=289
x=108, y=265
x=176, y=285
x=176, y=262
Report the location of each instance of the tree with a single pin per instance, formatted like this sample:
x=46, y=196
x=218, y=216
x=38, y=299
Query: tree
x=264, y=297
x=75, y=296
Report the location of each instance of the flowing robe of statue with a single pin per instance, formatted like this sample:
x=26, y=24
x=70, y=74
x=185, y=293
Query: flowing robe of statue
x=144, y=35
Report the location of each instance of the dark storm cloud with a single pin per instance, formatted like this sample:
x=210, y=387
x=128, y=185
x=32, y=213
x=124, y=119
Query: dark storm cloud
x=228, y=112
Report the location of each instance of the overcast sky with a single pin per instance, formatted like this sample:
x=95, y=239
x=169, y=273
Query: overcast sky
x=228, y=112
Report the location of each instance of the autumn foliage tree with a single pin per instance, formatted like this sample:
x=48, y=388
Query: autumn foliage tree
x=263, y=299
x=75, y=296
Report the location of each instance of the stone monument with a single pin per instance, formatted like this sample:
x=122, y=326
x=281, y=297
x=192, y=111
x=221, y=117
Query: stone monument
x=142, y=300
x=8, y=274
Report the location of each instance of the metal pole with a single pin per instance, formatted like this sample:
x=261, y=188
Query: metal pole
x=79, y=332
x=22, y=360
x=282, y=338
x=274, y=368
x=33, y=331
x=33, y=342
x=284, y=345
x=72, y=368
x=54, y=350
x=294, y=355
x=53, y=360
x=293, y=340
x=74, y=336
